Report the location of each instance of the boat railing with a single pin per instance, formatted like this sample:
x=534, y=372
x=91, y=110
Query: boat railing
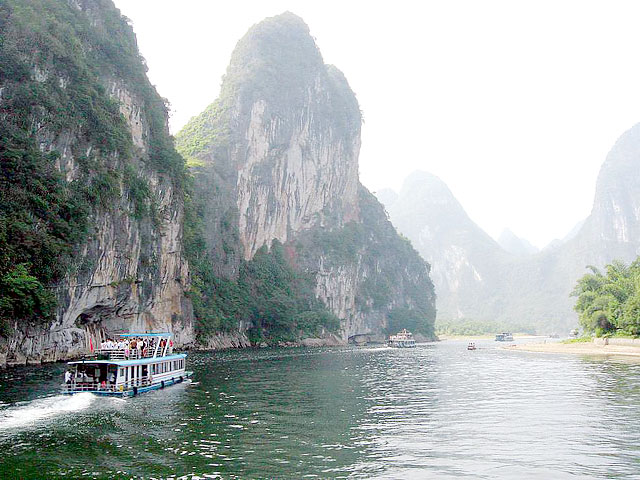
x=89, y=387
x=106, y=386
x=129, y=354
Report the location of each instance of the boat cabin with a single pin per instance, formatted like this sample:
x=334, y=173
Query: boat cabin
x=130, y=364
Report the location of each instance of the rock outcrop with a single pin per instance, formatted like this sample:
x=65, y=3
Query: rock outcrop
x=275, y=158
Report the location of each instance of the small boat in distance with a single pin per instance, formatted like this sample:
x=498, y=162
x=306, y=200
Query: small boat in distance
x=504, y=337
x=135, y=363
x=471, y=346
x=403, y=339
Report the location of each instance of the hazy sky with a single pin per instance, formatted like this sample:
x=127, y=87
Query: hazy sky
x=514, y=104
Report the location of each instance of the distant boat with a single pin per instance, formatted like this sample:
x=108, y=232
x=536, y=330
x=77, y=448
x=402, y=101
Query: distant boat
x=471, y=346
x=504, y=337
x=403, y=339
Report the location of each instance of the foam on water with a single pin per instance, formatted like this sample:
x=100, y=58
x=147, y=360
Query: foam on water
x=27, y=413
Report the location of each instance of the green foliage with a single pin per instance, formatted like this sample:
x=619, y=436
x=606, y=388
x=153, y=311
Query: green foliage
x=585, y=339
x=208, y=128
x=411, y=319
x=282, y=299
x=274, y=299
x=22, y=296
x=41, y=215
x=609, y=303
x=139, y=192
x=477, y=327
x=397, y=279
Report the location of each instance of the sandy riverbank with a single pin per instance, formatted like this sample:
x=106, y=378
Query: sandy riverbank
x=586, y=348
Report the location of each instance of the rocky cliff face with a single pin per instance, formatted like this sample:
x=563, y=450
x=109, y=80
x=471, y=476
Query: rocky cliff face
x=477, y=279
x=278, y=152
x=127, y=272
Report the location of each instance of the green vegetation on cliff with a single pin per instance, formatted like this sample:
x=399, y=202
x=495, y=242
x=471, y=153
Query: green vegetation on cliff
x=394, y=270
x=57, y=63
x=609, y=303
x=270, y=298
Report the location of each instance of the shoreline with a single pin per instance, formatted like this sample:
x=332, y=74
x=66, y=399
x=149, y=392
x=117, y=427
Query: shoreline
x=488, y=337
x=586, y=348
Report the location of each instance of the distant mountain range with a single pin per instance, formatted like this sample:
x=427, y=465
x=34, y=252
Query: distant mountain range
x=509, y=280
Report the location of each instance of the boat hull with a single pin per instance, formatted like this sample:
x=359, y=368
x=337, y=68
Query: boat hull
x=132, y=392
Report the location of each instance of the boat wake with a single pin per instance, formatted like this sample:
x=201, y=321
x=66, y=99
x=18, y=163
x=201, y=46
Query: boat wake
x=27, y=413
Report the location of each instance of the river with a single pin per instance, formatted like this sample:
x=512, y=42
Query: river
x=436, y=411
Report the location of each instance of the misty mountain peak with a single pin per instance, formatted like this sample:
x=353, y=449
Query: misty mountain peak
x=276, y=58
x=427, y=188
x=515, y=244
x=616, y=206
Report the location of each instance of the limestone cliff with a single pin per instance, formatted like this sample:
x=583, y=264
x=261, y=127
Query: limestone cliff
x=75, y=99
x=275, y=158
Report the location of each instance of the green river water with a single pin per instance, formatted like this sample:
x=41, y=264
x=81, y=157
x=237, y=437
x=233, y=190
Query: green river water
x=436, y=411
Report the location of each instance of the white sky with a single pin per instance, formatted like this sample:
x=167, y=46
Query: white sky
x=514, y=104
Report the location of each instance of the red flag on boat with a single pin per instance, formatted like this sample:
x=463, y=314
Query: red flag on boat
x=90, y=344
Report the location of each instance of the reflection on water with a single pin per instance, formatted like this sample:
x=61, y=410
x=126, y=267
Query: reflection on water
x=436, y=411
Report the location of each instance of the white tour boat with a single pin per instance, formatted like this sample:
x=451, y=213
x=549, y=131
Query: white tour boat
x=133, y=363
x=403, y=339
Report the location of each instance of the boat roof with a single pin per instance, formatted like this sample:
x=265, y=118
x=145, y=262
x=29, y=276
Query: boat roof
x=126, y=363
x=162, y=334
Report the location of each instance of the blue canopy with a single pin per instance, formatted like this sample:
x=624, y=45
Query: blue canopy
x=164, y=334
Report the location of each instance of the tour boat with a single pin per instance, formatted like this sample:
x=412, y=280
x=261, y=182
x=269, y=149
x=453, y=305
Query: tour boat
x=133, y=364
x=403, y=339
x=471, y=346
x=504, y=337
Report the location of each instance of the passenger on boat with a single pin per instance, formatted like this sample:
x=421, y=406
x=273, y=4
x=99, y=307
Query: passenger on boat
x=67, y=377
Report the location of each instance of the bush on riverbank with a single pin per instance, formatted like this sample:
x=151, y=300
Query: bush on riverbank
x=587, y=339
x=609, y=303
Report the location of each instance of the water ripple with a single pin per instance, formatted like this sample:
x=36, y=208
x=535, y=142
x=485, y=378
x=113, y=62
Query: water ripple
x=437, y=411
